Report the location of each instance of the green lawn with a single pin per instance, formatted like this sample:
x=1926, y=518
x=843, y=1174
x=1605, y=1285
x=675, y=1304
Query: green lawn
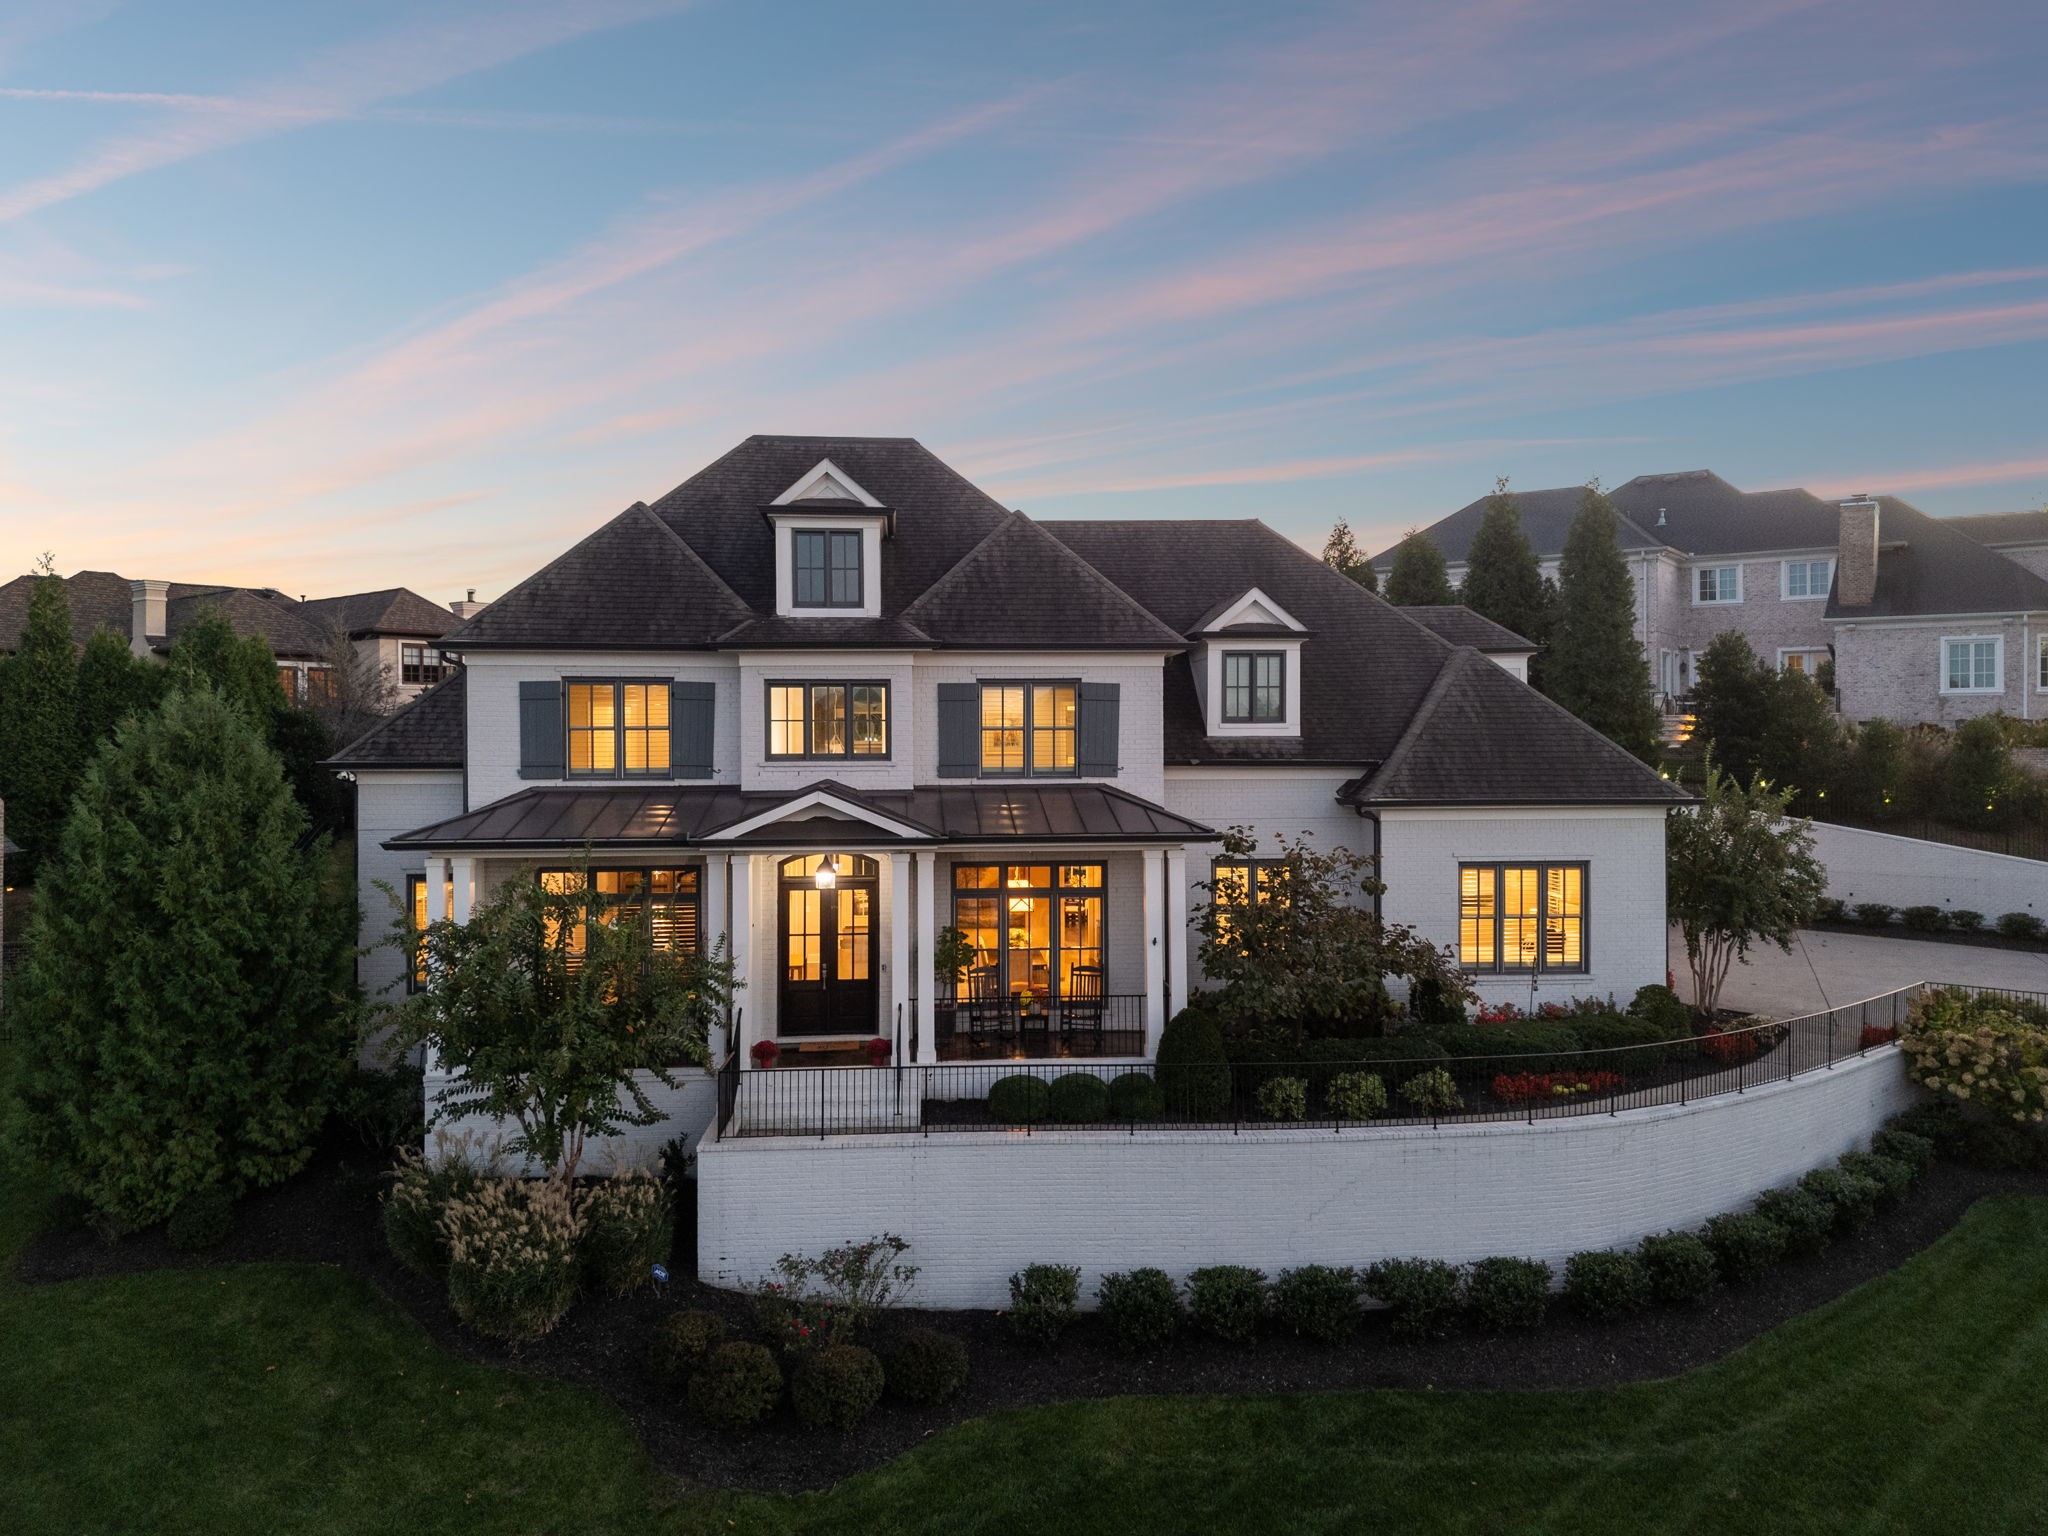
x=283, y=1397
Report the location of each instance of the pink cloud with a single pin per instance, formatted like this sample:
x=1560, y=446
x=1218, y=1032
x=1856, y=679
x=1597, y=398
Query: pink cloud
x=1944, y=477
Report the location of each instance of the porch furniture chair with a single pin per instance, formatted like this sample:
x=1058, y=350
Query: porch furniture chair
x=991, y=1015
x=1082, y=1007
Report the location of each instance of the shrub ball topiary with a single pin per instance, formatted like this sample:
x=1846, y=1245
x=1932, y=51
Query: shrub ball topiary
x=1916, y=1152
x=1227, y=1300
x=1135, y=1096
x=1507, y=1293
x=1680, y=1267
x=1284, y=1098
x=1808, y=1222
x=2020, y=925
x=1661, y=1006
x=1043, y=1300
x=1421, y=1293
x=1142, y=1306
x=1854, y=1198
x=1019, y=1099
x=1078, y=1098
x=680, y=1344
x=1892, y=1177
x=1316, y=1301
x=1190, y=1065
x=1357, y=1095
x=201, y=1221
x=1874, y=914
x=1963, y=920
x=925, y=1366
x=628, y=1228
x=737, y=1386
x=1745, y=1245
x=1604, y=1284
x=836, y=1387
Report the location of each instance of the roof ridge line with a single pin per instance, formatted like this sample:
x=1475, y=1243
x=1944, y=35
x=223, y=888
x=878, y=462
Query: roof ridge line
x=1012, y=518
x=1431, y=701
x=684, y=545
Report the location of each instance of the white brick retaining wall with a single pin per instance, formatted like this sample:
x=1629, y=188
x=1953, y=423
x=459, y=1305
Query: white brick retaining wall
x=688, y=1108
x=1910, y=872
x=977, y=1207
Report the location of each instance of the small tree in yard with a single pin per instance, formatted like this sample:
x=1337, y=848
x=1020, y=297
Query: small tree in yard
x=546, y=1006
x=1304, y=947
x=1738, y=872
x=184, y=1015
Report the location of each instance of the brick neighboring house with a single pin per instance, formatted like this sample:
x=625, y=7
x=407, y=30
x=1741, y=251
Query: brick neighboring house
x=397, y=627
x=1707, y=557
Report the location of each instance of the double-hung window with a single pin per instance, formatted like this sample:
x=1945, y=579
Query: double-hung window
x=1718, y=584
x=828, y=720
x=827, y=568
x=1808, y=578
x=618, y=729
x=1522, y=917
x=421, y=664
x=1973, y=664
x=1030, y=728
x=1254, y=687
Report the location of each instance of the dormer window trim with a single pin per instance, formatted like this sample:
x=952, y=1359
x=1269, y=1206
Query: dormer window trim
x=809, y=486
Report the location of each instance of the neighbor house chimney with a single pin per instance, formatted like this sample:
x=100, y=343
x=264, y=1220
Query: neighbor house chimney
x=1856, y=560
x=467, y=607
x=147, y=601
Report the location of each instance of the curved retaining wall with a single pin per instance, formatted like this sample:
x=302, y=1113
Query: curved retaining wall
x=978, y=1207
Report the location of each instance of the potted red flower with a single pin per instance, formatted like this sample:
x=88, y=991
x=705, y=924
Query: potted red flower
x=878, y=1052
x=764, y=1053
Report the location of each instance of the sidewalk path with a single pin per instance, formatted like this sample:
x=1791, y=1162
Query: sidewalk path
x=1828, y=969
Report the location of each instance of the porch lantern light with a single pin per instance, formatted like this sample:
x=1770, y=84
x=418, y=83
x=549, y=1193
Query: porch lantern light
x=828, y=872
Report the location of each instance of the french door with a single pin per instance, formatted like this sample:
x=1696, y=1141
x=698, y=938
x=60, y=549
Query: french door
x=829, y=946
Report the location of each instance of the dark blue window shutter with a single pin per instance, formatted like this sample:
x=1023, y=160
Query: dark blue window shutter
x=540, y=730
x=1099, y=728
x=959, y=730
x=692, y=728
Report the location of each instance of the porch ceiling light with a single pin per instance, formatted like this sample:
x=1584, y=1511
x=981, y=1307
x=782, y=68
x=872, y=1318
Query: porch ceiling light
x=828, y=872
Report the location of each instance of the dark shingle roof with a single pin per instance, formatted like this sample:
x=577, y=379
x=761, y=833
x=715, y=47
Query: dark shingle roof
x=1451, y=752
x=251, y=612
x=1997, y=528
x=1926, y=566
x=430, y=732
x=394, y=611
x=99, y=600
x=1461, y=626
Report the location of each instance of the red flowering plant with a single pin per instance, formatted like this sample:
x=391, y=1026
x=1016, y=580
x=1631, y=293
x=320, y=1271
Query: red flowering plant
x=1500, y=1013
x=1731, y=1047
x=1544, y=1087
x=1876, y=1034
x=814, y=1302
x=764, y=1052
x=878, y=1051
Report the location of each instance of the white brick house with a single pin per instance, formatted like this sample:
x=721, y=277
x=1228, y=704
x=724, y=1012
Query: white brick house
x=827, y=699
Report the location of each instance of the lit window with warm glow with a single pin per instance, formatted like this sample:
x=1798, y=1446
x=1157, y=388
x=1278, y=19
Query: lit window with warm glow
x=828, y=720
x=618, y=730
x=1030, y=728
x=1522, y=917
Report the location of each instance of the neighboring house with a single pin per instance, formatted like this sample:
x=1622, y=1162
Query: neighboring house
x=827, y=698
x=397, y=627
x=1706, y=557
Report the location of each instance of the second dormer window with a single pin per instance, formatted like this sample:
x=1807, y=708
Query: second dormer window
x=827, y=567
x=1254, y=687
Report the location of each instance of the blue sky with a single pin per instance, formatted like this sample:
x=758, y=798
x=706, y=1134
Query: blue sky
x=341, y=296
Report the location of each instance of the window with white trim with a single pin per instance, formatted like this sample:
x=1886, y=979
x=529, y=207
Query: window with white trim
x=421, y=664
x=827, y=568
x=1522, y=917
x=1973, y=664
x=1254, y=687
x=1717, y=584
x=1805, y=662
x=1807, y=578
x=2041, y=664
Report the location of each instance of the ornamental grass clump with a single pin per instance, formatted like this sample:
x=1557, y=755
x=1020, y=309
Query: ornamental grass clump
x=1316, y=1301
x=925, y=1367
x=1227, y=1300
x=628, y=1228
x=418, y=1197
x=512, y=1264
x=737, y=1386
x=1852, y=1197
x=1504, y=1293
x=1604, y=1284
x=1745, y=1245
x=1421, y=1293
x=1357, y=1096
x=1284, y=1098
x=836, y=1387
x=1982, y=1049
x=1807, y=1221
x=1680, y=1266
x=1143, y=1306
x=682, y=1342
x=1044, y=1299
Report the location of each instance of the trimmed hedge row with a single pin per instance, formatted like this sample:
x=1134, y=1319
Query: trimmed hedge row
x=1930, y=919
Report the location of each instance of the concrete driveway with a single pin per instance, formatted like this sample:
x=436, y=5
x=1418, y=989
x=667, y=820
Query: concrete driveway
x=1826, y=970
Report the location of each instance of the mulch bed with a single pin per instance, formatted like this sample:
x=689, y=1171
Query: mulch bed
x=329, y=1215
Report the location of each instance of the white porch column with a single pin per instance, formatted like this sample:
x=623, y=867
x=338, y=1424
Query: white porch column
x=437, y=890
x=716, y=927
x=1155, y=950
x=741, y=927
x=900, y=982
x=1176, y=929
x=927, y=945
x=462, y=870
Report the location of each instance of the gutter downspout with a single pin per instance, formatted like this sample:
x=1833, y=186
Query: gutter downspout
x=1374, y=817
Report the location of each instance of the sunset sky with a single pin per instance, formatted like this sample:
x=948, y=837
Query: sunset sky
x=357, y=295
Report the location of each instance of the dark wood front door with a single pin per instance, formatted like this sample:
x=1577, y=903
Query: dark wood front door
x=829, y=938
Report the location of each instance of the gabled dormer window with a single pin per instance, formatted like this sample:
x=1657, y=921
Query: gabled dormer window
x=1254, y=687
x=1247, y=666
x=828, y=567
x=828, y=546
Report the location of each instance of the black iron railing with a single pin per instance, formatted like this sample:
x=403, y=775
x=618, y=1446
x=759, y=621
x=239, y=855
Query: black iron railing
x=1429, y=1091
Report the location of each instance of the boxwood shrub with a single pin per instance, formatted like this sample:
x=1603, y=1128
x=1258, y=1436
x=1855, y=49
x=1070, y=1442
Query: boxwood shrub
x=1658, y=1005
x=1143, y=1306
x=1745, y=1245
x=1135, y=1096
x=680, y=1344
x=1853, y=1197
x=925, y=1366
x=1191, y=1067
x=1892, y=1177
x=1680, y=1267
x=1632, y=1041
x=1043, y=1300
x=1874, y=914
x=1422, y=1294
x=1019, y=1099
x=1808, y=1222
x=2020, y=925
x=1507, y=1293
x=836, y=1387
x=1603, y=1284
x=201, y=1221
x=1963, y=920
x=1916, y=1152
x=1227, y=1300
x=1079, y=1098
x=1972, y=1137
x=1534, y=1046
x=738, y=1385
x=1322, y=1062
x=1316, y=1301
x=1924, y=919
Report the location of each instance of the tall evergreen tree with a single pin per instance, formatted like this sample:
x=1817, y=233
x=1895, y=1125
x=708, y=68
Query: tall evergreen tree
x=39, y=746
x=187, y=969
x=1731, y=704
x=209, y=653
x=1595, y=667
x=1342, y=554
x=112, y=682
x=1503, y=581
x=1419, y=578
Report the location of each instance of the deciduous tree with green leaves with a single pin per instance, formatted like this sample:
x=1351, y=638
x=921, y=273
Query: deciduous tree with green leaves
x=1342, y=555
x=548, y=1007
x=1595, y=666
x=1419, y=578
x=184, y=1009
x=1738, y=872
x=1503, y=581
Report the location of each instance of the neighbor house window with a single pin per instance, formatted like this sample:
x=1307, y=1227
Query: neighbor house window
x=828, y=719
x=1030, y=728
x=662, y=901
x=421, y=664
x=288, y=680
x=1808, y=578
x=2041, y=665
x=1805, y=663
x=321, y=687
x=1522, y=917
x=827, y=566
x=1973, y=665
x=1718, y=584
x=618, y=730
x=1032, y=926
x=1254, y=687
